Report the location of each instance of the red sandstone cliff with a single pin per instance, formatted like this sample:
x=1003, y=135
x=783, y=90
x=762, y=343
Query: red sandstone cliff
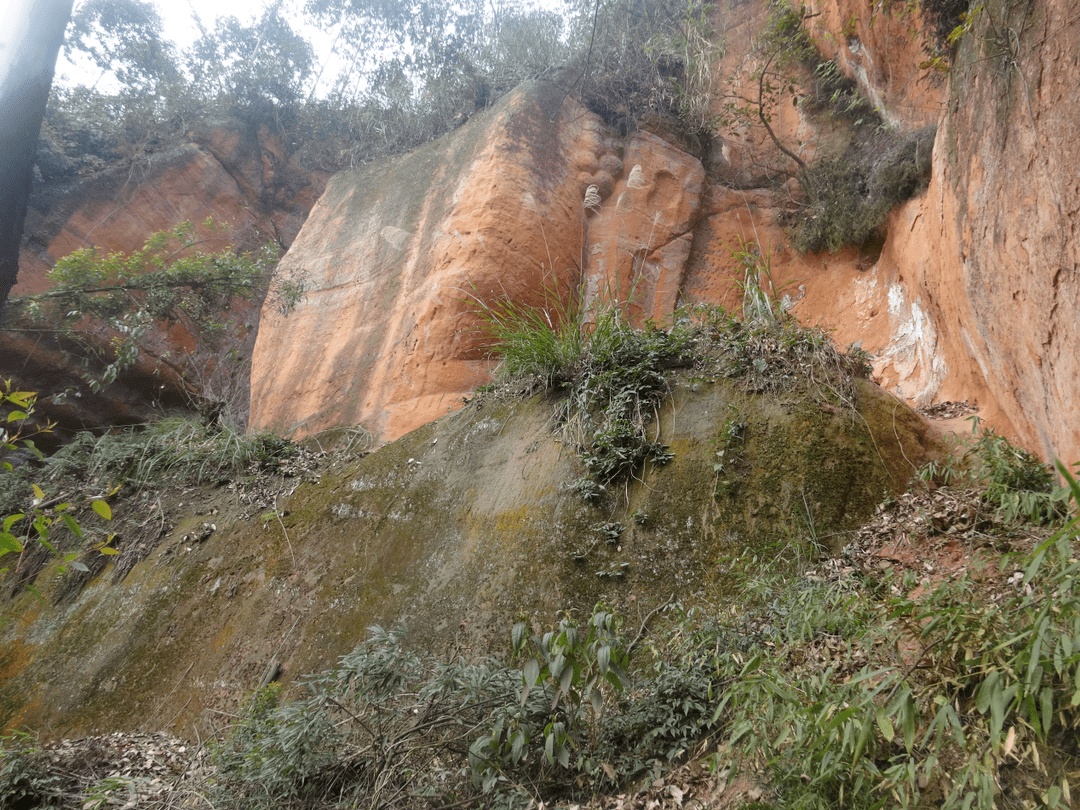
x=974, y=295
x=241, y=178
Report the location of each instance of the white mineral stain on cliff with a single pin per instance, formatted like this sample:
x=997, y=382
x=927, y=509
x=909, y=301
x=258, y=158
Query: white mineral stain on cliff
x=912, y=352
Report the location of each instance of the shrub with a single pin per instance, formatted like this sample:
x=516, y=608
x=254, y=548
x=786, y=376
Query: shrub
x=943, y=17
x=25, y=778
x=612, y=375
x=610, y=371
x=848, y=199
x=39, y=515
x=389, y=726
x=544, y=340
x=1013, y=482
x=988, y=683
x=102, y=308
x=614, y=395
x=384, y=727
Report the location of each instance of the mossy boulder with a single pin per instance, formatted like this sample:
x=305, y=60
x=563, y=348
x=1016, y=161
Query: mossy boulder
x=457, y=529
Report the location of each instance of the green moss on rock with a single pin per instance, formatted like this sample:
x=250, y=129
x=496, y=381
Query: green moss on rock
x=457, y=529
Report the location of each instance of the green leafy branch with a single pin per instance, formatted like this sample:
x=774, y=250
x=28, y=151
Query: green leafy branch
x=105, y=304
x=563, y=683
x=37, y=522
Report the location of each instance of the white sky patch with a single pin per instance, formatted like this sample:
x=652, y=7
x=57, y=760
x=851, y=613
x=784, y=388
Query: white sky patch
x=179, y=26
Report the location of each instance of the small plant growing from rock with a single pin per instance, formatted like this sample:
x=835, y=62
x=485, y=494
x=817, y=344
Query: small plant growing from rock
x=1015, y=484
x=611, y=373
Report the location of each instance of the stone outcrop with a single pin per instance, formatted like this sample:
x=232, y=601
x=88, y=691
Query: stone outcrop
x=976, y=295
x=458, y=529
x=1009, y=280
x=639, y=243
x=465, y=521
x=398, y=256
x=881, y=50
x=243, y=180
x=973, y=296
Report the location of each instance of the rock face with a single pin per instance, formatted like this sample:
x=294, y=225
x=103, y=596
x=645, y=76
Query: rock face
x=976, y=295
x=1010, y=204
x=459, y=529
x=467, y=521
x=399, y=255
x=973, y=296
x=241, y=179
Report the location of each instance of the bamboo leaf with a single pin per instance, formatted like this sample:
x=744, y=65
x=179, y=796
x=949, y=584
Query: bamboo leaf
x=885, y=725
x=909, y=724
x=864, y=737
x=1046, y=701
x=517, y=747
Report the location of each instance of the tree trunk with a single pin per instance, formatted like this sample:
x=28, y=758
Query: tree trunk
x=31, y=32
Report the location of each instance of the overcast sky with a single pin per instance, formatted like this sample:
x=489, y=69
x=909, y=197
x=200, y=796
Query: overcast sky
x=179, y=20
x=178, y=17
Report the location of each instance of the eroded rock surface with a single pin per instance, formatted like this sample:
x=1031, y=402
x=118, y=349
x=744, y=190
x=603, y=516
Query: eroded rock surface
x=243, y=179
x=972, y=297
x=976, y=294
x=399, y=254
x=953, y=306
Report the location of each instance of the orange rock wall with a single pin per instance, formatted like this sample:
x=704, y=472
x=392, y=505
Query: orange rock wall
x=247, y=182
x=974, y=295
x=398, y=256
x=978, y=279
x=1009, y=282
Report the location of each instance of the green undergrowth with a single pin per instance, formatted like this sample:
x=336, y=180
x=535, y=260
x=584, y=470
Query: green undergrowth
x=1013, y=482
x=609, y=373
x=173, y=451
x=827, y=692
x=121, y=472
x=184, y=450
x=835, y=685
x=961, y=696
